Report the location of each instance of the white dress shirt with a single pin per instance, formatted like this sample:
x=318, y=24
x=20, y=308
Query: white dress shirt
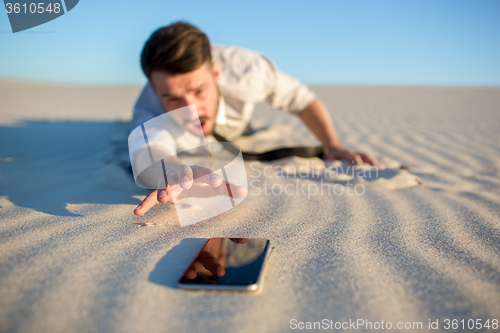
x=246, y=78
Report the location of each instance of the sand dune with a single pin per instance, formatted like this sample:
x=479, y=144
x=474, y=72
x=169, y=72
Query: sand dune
x=74, y=257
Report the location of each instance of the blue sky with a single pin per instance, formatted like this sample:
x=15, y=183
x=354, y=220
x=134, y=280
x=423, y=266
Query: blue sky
x=406, y=42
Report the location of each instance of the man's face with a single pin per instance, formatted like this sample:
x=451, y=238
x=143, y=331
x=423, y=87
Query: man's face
x=198, y=87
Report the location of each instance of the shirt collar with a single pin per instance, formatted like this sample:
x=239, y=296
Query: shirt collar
x=221, y=112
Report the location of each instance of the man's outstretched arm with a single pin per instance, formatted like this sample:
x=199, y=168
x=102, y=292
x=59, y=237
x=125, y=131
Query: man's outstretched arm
x=317, y=119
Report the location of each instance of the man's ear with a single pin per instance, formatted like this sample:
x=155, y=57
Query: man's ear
x=216, y=68
x=151, y=83
x=152, y=86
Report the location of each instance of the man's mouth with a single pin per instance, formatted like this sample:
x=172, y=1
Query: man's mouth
x=195, y=128
x=204, y=121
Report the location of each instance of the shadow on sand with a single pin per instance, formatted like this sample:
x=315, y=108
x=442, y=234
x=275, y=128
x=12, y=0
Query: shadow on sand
x=170, y=267
x=47, y=166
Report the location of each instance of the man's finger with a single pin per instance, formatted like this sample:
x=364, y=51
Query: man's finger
x=147, y=203
x=185, y=176
x=188, y=175
x=353, y=157
x=164, y=195
x=164, y=192
x=232, y=190
x=368, y=158
x=204, y=175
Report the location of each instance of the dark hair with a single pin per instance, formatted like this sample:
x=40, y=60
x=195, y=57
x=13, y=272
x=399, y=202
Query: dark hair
x=175, y=49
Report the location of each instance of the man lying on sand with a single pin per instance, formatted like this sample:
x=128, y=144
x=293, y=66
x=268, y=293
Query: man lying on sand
x=224, y=83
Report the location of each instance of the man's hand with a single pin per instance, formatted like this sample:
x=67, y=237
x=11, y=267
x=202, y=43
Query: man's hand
x=351, y=156
x=191, y=181
x=317, y=119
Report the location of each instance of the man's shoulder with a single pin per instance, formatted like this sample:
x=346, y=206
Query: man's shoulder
x=246, y=74
x=236, y=55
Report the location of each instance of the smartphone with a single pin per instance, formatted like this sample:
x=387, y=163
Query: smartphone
x=227, y=263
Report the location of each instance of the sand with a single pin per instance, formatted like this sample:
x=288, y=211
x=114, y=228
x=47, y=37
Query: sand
x=424, y=246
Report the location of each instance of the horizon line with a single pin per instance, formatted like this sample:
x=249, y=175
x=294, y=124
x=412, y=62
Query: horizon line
x=361, y=85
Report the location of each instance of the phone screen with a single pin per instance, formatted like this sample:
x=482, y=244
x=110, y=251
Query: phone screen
x=227, y=263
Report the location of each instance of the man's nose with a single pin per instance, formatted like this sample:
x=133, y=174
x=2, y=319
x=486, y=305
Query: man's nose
x=189, y=100
x=192, y=112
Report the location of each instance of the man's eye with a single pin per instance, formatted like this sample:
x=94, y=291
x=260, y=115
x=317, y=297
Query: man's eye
x=199, y=91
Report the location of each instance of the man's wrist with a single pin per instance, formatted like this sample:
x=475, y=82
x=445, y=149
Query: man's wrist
x=333, y=147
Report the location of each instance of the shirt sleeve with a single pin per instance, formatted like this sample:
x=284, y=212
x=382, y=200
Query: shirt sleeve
x=254, y=78
x=290, y=94
x=147, y=107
